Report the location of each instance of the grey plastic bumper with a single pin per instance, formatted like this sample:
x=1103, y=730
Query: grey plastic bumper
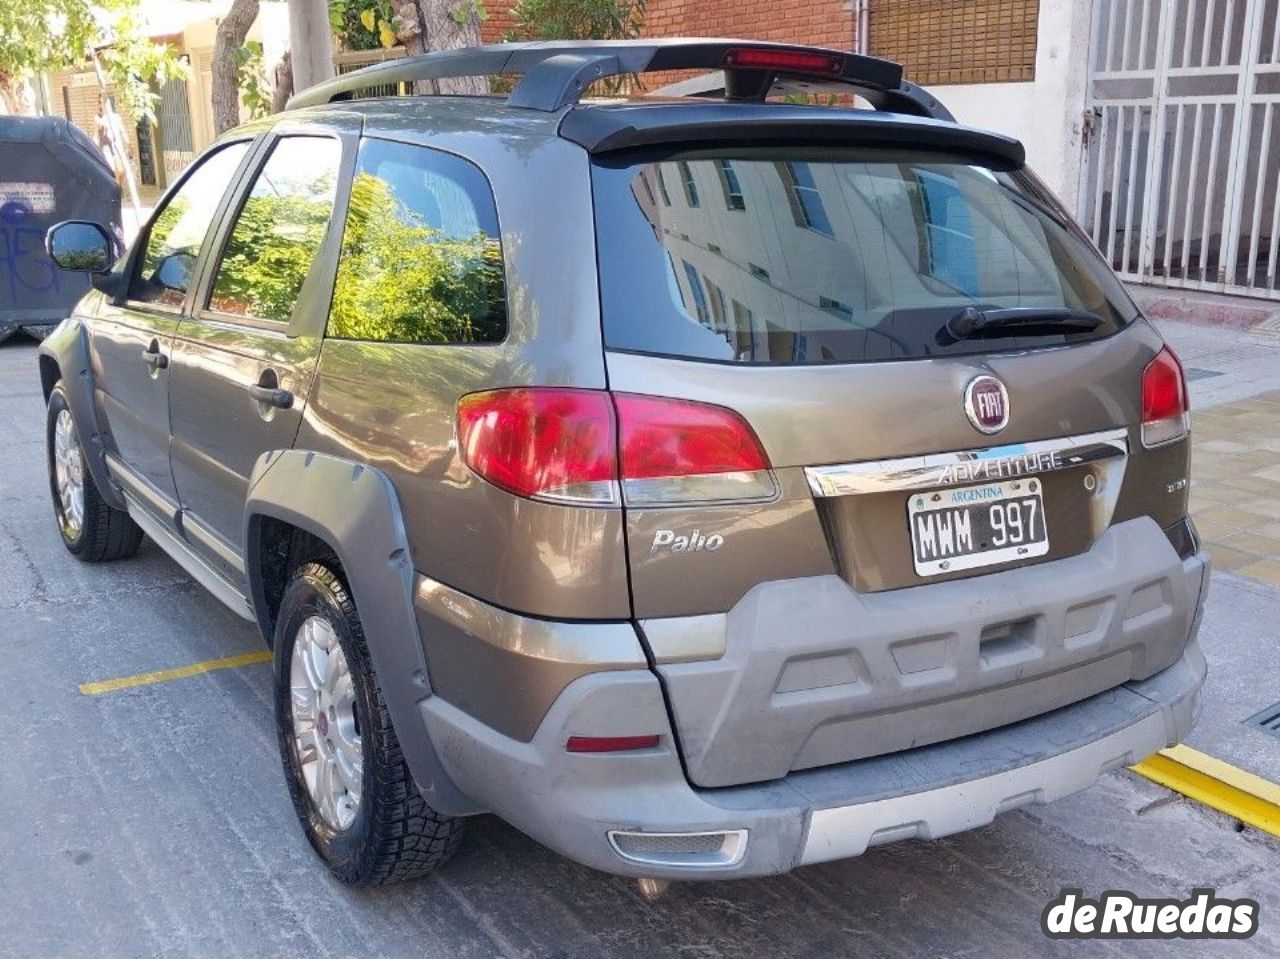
x=572, y=802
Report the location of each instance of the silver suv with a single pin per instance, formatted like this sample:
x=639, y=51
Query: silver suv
x=706, y=485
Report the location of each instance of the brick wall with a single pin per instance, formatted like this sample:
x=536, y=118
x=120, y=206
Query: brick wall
x=826, y=23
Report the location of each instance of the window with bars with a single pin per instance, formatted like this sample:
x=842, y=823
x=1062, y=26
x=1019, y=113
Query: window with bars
x=957, y=41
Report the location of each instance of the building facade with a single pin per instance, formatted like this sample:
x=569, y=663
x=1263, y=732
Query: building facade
x=1157, y=122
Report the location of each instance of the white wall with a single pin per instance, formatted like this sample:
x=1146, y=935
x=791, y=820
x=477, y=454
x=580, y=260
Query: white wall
x=1047, y=115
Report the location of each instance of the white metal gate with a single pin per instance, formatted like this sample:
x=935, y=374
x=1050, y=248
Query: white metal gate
x=1183, y=142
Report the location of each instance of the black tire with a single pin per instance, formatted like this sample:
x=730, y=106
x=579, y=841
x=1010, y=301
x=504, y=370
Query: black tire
x=105, y=533
x=395, y=835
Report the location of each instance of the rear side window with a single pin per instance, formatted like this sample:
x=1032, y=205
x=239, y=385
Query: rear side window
x=167, y=265
x=421, y=254
x=832, y=255
x=278, y=231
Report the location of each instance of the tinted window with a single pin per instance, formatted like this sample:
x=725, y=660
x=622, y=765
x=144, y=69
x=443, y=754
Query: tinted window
x=278, y=230
x=833, y=255
x=167, y=265
x=421, y=256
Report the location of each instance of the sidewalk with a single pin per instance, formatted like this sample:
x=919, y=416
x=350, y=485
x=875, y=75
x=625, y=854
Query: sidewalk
x=1234, y=379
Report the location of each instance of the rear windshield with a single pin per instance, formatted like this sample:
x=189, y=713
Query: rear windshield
x=784, y=256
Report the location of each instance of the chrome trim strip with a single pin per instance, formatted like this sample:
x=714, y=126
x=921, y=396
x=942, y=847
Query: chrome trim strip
x=992, y=464
x=195, y=566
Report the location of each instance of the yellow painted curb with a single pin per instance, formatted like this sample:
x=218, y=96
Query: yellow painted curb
x=1220, y=785
x=181, y=672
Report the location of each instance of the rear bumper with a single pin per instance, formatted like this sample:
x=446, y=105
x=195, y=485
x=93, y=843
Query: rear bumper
x=813, y=673
x=581, y=805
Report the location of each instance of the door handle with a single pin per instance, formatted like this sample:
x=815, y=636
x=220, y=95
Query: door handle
x=271, y=396
x=154, y=358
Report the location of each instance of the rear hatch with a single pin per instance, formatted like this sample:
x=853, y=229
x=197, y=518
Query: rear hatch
x=910, y=334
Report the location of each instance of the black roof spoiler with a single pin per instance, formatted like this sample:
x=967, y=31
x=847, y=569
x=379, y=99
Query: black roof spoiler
x=556, y=74
x=633, y=126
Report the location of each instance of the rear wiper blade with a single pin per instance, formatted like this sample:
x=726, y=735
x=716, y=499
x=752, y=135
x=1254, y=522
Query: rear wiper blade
x=974, y=322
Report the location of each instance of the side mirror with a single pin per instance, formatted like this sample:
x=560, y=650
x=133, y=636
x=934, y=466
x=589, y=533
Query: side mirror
x=80, y=246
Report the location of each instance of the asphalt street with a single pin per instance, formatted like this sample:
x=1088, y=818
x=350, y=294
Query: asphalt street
x=154, y=821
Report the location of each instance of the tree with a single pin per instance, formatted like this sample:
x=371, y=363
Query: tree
x=577, y=19
x=230, y=38
x=432, y=25
x=42, y=35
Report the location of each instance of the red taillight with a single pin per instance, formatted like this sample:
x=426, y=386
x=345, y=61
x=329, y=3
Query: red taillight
x=555, y=444
x=1164, y=400
x=793, y=61
x=662, y=437
x=609, y=744
x=567, y=446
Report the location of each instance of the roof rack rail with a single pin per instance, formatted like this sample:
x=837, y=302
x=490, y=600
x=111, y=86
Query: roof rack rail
x=556, y=74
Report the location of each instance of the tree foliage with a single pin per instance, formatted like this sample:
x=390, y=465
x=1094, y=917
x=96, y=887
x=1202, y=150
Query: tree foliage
x=251, y=79
x=363, y=24
x=400, y=279
x=269, y=252
x=577, y=19
x=43, y=35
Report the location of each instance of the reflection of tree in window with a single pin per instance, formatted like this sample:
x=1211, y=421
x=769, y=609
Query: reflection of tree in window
x=729, y=182
x=178, y=231
x=421, y=261
x=690, y=188
x=806, y=200
x=278, y=231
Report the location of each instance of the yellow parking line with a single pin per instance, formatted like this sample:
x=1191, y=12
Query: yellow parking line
x=1217, y=784
x=181, y=672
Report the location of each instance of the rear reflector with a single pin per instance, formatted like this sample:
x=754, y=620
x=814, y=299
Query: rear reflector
x=573, y=446
x=609, y=744
x=791, y=61
x=1164, y=400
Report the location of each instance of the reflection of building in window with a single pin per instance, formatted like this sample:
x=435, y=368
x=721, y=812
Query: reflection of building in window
x=806, y=201
x=733, y=197
x=690, y=188
x=744, y=331
x=697, y=292
x=648, y=190
x=949, y=228
x=662, y=187
x=835, y=306
x=717, y=305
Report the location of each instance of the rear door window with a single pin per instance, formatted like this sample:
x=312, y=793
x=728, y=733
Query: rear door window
x=832, y=255
x=421, y=254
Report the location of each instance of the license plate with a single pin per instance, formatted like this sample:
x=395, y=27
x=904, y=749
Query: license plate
x=975, y=526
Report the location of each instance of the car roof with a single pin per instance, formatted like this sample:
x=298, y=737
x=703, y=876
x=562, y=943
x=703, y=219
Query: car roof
x=611, y=125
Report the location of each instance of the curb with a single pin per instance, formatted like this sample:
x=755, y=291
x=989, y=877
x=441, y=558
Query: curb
x=1217, y=784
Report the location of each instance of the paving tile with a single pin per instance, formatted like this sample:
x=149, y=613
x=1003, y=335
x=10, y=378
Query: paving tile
x=1225, y=558
x=1232, y=518
x=1222, y=446
x=1266, y=570
x=1254, y=543
x=1253, y=483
